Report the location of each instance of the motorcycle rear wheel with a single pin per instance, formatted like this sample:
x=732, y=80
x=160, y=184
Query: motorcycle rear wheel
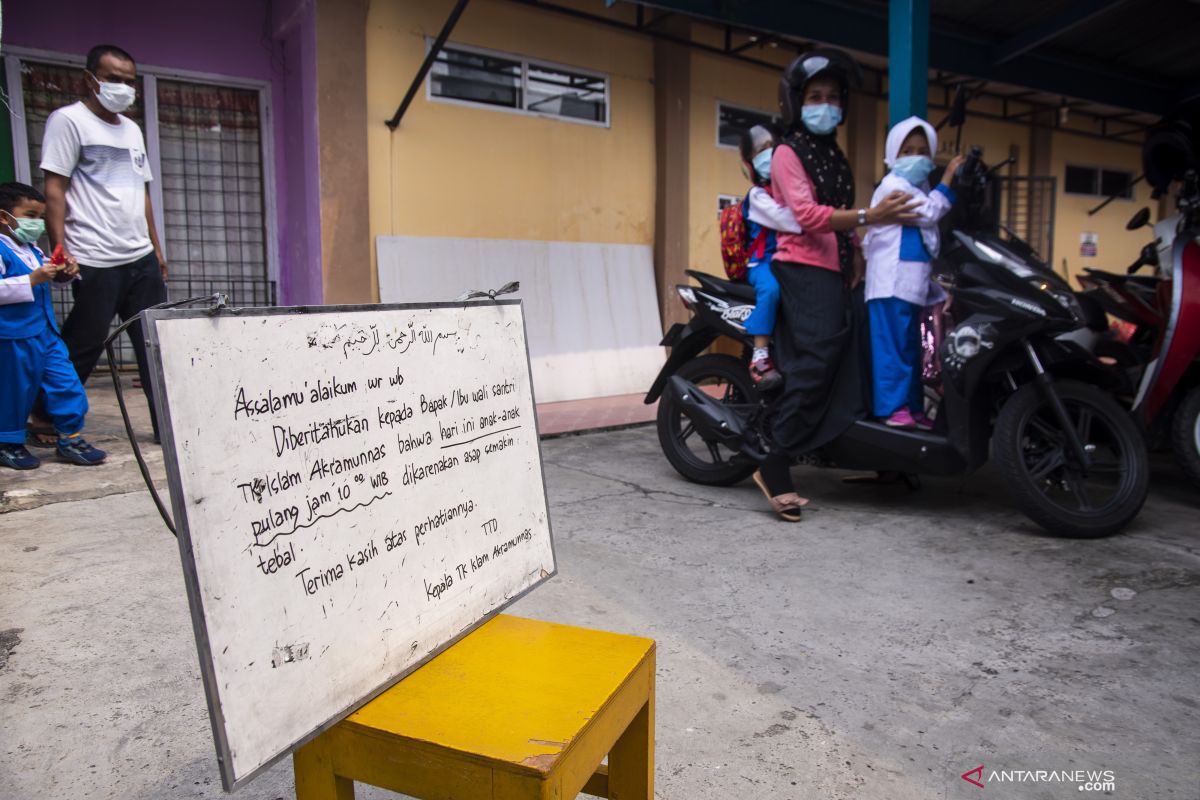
x=1045, y=478
x=1185, y=434
x=700, y=461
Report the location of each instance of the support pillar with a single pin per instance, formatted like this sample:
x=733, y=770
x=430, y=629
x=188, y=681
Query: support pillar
x=1041, y=165
x=864, y=146
x=672, y=127
x=908, y=59
x=341, y=74
x=324, y=216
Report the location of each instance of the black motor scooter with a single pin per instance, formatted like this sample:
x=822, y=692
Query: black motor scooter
x=1019, y=385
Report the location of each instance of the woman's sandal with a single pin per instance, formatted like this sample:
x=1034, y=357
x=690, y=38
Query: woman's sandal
x=787, y=510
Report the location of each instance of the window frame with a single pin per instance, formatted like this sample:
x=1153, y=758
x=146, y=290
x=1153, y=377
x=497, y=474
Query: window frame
x=1129, y=183
x=13, y=56
x=728, y=199
x=1099, y=171
x=525, y=62
x=717, y=120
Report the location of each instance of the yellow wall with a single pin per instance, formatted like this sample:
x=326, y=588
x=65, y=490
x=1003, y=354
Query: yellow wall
x=995, y=137
x=452, y=170
x=1117, y=247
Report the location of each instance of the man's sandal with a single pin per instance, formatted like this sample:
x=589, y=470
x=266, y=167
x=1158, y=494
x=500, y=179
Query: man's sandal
x=787, y=510
x=40, y=435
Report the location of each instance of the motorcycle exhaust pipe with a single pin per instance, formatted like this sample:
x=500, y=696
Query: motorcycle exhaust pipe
x=714, y=421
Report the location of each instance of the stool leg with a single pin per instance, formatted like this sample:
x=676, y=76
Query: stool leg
x=315, y=778
x=631, y=761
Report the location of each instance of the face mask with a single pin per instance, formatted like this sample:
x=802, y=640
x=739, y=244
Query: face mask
x=28, y=230
x=821, y=119
x=762, y=163
x=914, y=169
x=115, y=97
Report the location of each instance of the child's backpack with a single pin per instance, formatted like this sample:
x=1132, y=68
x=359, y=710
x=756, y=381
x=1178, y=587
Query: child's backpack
x=736, y=247
x=735, y=241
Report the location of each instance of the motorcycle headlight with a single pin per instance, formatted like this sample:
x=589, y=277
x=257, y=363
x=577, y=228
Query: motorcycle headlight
x=1065, y=299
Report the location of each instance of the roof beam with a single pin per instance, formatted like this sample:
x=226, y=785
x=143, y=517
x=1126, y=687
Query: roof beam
x=1076, y=15
x=755, y=39
x=873, y=87
x=865, y=28
x=430, y=58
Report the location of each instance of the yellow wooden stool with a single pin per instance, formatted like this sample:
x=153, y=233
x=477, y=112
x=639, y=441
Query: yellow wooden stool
x=516, y=710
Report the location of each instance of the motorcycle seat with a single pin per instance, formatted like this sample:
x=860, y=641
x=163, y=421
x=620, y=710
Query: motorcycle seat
x=743, y=291
x=1148, y=281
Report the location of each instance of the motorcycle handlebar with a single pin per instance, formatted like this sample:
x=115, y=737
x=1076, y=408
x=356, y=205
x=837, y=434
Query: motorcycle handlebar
x=973, y=163
x=1149, y=256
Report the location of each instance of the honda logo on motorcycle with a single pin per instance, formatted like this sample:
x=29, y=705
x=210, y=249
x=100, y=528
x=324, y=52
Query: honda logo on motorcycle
x=1032, y=308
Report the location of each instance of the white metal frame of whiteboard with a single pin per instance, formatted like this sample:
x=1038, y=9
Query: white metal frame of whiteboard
x=183, y=532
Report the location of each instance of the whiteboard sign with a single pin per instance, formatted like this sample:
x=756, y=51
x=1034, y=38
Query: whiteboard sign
x=354, y=488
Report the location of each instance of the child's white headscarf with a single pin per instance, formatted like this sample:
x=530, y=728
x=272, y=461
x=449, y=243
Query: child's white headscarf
x=900, y=132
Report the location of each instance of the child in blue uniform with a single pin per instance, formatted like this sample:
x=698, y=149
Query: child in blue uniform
x=898, y=273
x=763, y=218
x=32, y=353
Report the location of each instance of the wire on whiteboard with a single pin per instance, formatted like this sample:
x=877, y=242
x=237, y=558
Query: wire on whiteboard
x=491, y=294
x=216, y=301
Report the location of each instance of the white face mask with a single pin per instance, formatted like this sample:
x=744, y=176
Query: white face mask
x=115, y=97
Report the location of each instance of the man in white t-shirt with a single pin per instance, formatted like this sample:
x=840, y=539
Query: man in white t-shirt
x=98, y=209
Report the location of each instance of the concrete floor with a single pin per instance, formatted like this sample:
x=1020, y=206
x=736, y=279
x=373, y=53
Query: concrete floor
x=880, y=649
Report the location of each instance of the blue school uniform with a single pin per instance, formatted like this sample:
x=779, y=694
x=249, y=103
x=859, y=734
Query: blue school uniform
x=33, y=356
x=761, y=321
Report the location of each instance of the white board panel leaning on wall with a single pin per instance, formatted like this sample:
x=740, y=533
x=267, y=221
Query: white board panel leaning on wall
x=591, y=308
x=354, y=488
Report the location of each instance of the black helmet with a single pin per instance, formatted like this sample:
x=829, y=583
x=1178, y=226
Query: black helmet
x=814, y=63
x=1172, y=147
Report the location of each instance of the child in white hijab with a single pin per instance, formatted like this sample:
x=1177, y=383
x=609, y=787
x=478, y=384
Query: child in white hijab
x=898, y=272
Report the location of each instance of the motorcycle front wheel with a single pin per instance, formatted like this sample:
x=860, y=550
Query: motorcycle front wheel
x=1185, y=434
x=724, y=378
x=1046, y=479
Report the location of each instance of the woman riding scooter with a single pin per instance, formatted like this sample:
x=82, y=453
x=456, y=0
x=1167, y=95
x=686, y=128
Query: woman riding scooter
x=818, y=349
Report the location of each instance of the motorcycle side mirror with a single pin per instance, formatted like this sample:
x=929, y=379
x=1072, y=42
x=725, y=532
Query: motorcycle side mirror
x=1149, y=257
x=1138, y=220
x=958, y=108
x=1002, y=165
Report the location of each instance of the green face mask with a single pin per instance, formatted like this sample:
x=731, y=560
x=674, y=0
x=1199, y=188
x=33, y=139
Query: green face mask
x=28, y=230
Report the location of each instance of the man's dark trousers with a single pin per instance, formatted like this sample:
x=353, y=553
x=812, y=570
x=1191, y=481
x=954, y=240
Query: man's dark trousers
x=123, y=290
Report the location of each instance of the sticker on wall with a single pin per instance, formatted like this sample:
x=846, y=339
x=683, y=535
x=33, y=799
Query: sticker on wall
x=1088, y=243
